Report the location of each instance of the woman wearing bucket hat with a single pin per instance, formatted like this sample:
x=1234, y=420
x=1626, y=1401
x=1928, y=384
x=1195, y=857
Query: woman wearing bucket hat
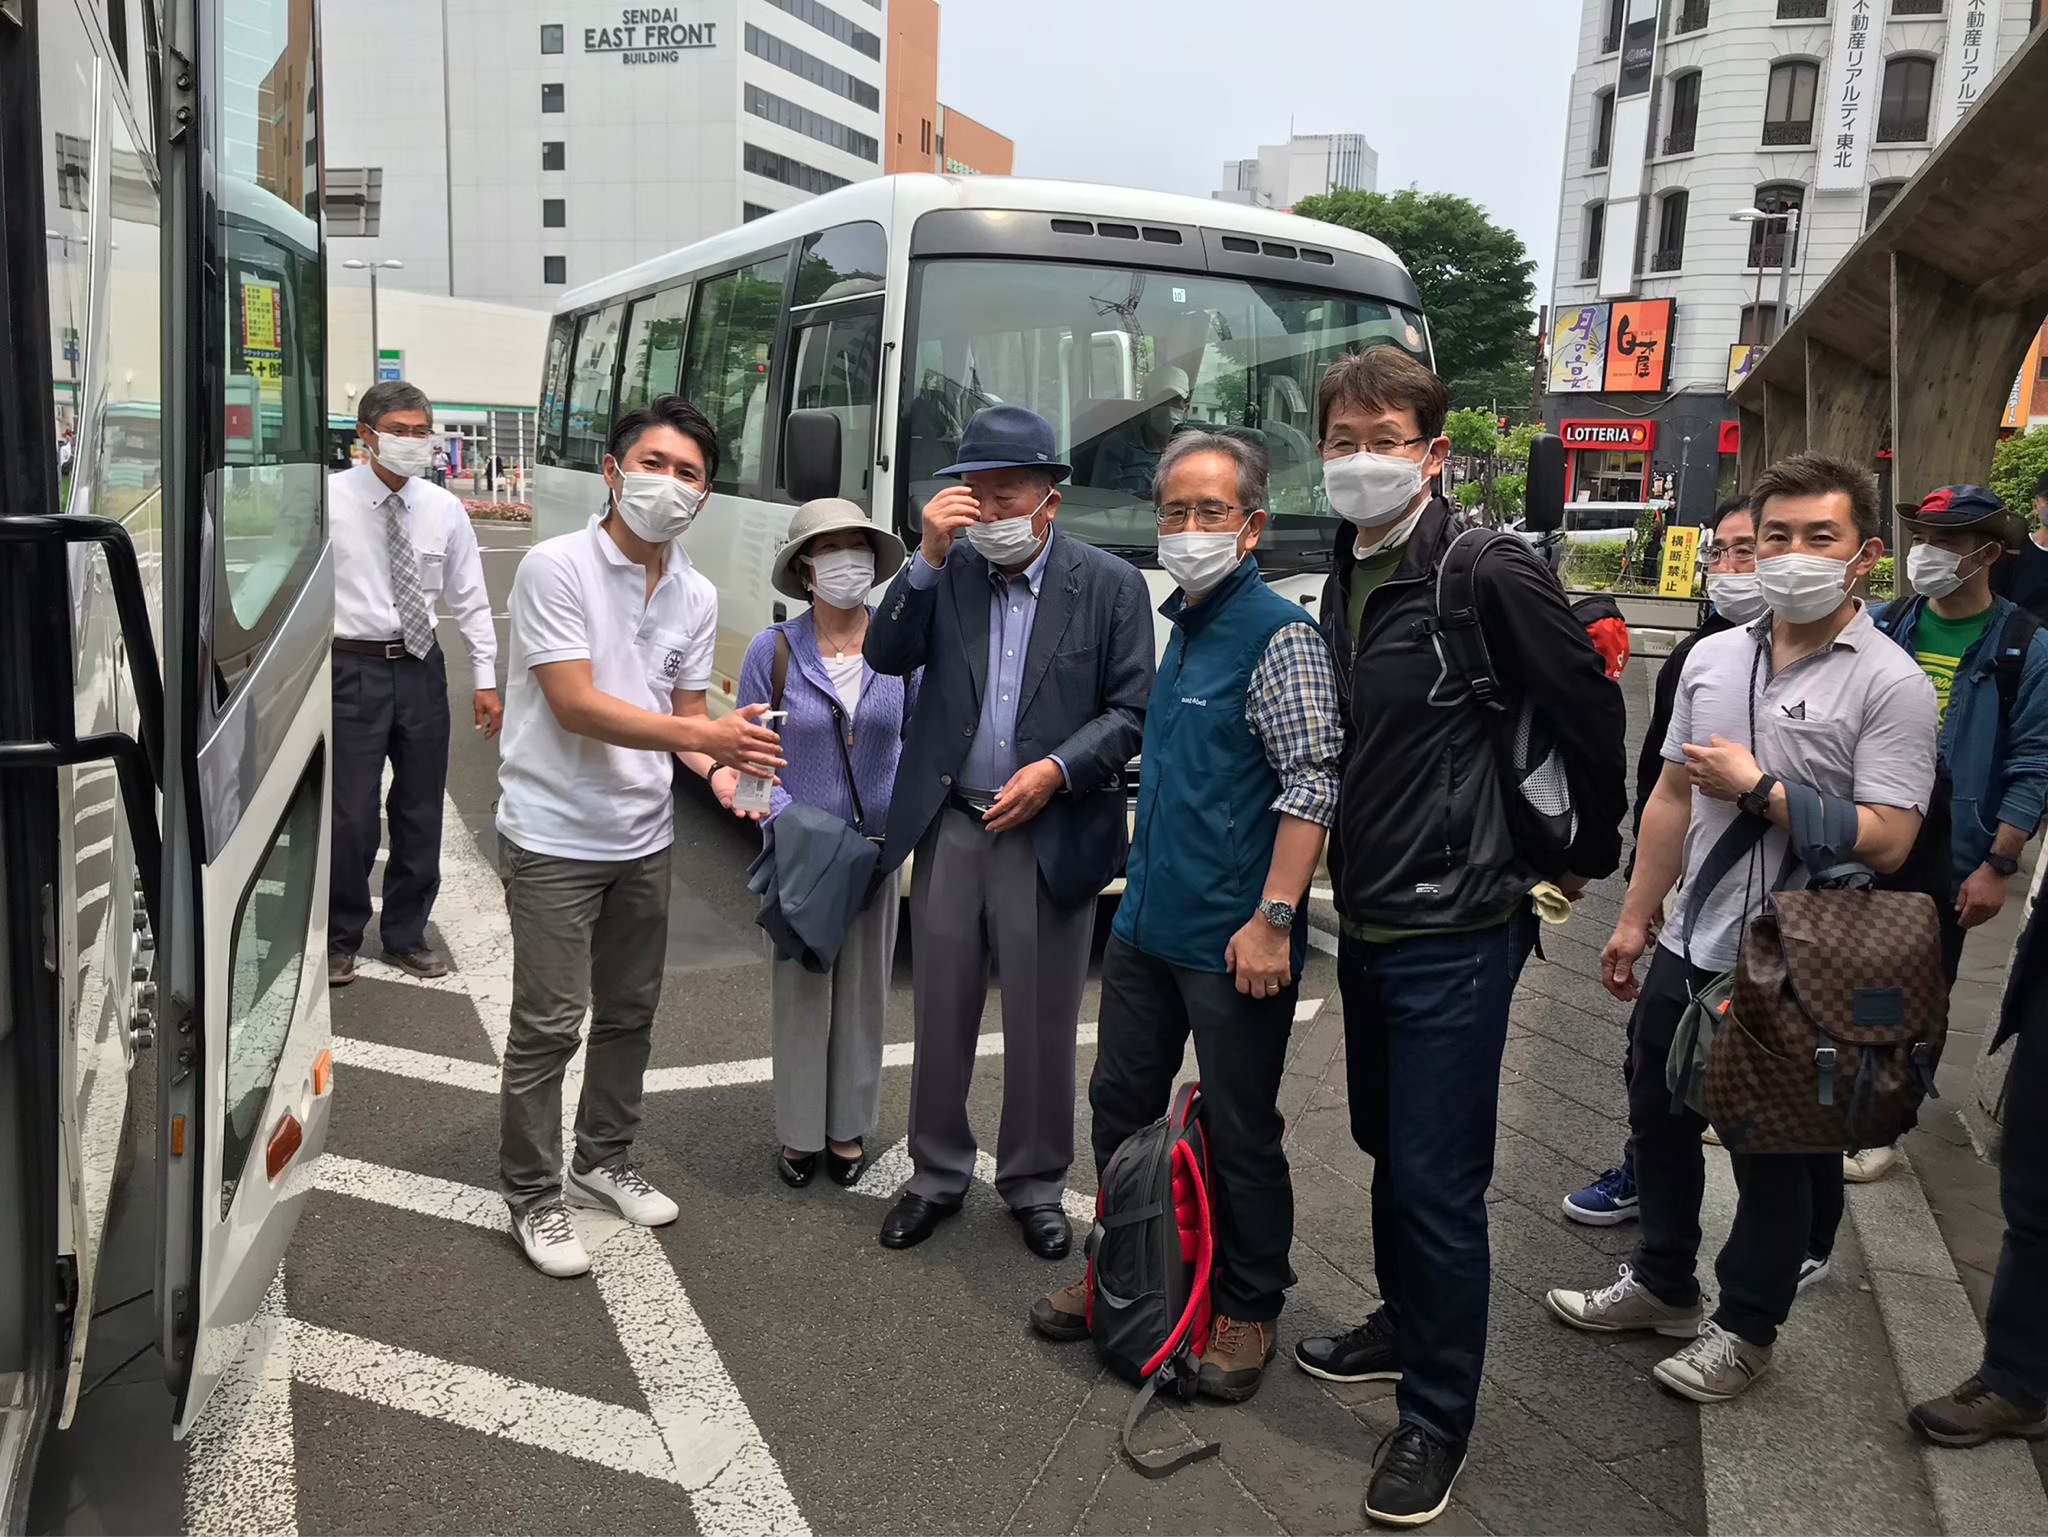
x=842, y=737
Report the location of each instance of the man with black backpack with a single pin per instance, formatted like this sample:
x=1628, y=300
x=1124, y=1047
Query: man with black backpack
x=1483, y=754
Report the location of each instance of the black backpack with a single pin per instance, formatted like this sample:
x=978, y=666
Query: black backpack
x=1539, y=795
x=1149, y=1255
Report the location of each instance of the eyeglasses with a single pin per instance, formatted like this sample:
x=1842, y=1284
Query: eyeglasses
x=1343, y=448
x=403, y=432
x=1209, y=517
x=1743, y=551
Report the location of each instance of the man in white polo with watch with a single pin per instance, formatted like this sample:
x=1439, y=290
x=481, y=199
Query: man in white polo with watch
x=610, y=656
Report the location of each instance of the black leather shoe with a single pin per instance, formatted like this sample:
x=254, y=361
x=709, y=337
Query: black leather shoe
x=795, y=1172
x=846, y=1171
x=1369, y=1353
x=913, y=1219
x=1046, y=1233
x=1411, y=1478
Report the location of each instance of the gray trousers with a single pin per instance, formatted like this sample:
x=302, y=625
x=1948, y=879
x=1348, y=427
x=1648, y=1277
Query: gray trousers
x=828, y=1034
x=587, y=936
x=977, y=897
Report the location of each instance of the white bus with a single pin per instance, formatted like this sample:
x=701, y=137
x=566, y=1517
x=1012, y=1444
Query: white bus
x=888, y=312
x=166, y=611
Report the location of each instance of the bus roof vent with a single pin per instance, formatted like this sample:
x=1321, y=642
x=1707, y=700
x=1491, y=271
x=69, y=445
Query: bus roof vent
x=1072, y=227
x=1273, y=248
x=1321, y=258
x=1239, y=243
x=1162, y=236
x=1118, y=231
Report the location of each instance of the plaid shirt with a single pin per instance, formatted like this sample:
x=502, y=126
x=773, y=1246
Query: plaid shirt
x=1292, y=708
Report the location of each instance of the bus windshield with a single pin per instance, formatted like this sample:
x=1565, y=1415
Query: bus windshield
x=1115, y=358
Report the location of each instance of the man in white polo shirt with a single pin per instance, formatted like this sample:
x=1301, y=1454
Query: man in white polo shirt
x=610, y=655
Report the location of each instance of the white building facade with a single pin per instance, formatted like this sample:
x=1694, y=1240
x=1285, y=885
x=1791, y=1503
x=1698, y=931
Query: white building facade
x=508, y=150
x=1307, y=165
x=1685, y=114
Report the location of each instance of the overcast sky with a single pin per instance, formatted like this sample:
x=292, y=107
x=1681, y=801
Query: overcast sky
x=1464, y=96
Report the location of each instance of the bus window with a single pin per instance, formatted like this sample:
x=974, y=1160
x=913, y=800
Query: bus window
x=835, y=371
x=554, y=395
x=129, y=469
x=590, y=388
x=69, y=71
x=654, y=346
x=272, y=308
x=1103, y=353
x=842, y=262
x=725, y=373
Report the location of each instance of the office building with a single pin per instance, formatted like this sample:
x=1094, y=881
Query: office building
x=1722, y=156
x=923, y=134
x=512, y=149
x=1307, y=165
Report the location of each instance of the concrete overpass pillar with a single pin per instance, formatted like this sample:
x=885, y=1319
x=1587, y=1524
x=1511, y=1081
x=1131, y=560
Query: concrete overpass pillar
x=1784, y=421
x=1847, y=406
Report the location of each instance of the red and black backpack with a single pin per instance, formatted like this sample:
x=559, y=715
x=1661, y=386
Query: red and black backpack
x=1149, y=1256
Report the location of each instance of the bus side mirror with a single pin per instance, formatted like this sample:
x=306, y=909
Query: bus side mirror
x=1543, y=496
x=810, y=455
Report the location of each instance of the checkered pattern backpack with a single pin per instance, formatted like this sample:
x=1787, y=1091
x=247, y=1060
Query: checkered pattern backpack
x=1149, y=1256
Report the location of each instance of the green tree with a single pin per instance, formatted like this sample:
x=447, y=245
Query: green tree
x=2016, y=466
x=1473, y=431
x=1474, y=278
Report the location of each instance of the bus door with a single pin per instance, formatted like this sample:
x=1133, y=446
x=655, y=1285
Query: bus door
x=243, y=1081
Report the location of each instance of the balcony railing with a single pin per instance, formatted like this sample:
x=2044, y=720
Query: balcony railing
x=1670, y=259
x=1916, y=7
x=1589, y=269
x=1789, y=133
x=1802, y=10
x=1678, y=141
x=1692, y=17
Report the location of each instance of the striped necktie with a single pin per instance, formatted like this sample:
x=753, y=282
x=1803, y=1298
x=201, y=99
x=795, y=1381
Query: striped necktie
x=414, y=622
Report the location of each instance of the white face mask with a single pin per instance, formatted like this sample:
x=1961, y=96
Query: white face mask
x=1935, y=571
x=1371, y=489
x=1007, y=541
x=1198, y=563
x=1737, y=596
x=657, y=507
x=1803, y=588
x=843, y=578
x=404, y=456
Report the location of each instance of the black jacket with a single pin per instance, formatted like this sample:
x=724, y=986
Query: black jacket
x=1422, y=837
x=1650, y=764
x=1087, y=680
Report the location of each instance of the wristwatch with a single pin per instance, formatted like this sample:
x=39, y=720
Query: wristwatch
x=1279, y=914
x=2004, y=864
x=1757, y=799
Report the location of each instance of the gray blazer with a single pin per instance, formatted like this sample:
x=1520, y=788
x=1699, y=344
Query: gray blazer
x=1087, y=676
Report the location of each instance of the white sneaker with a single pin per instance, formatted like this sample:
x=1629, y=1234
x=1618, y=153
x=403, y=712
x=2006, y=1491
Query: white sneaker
x=1715, y=1367
x=621, y=1191
x=1813, y=1271
x=1873, y=1163
x=549, y=1239
x=1623, y=1306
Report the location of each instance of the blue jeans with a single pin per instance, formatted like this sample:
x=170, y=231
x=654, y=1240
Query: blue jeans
x=2016, y=1325
x=1425, y=1022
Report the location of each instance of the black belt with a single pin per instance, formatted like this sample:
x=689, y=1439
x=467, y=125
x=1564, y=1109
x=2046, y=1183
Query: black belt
x=974, y=802
x=390, y=650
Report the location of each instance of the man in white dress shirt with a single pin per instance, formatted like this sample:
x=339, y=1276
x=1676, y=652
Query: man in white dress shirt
x=400, y=543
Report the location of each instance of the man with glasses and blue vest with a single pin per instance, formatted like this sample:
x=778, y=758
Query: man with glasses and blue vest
x=1242, y=742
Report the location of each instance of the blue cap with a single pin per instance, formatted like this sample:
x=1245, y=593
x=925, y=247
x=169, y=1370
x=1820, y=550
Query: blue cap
x=1965, y=507
x=1008, y=438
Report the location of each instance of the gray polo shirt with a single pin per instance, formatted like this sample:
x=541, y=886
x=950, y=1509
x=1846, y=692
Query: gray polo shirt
x=1855, y=720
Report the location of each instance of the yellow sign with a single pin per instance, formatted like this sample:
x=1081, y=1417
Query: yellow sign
x=259, y=318
x=1681, y=561
x=1742, y=357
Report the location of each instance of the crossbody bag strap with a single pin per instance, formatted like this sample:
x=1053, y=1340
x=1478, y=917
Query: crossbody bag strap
x=839, y=730
x=1743, y=834
x=779, y=675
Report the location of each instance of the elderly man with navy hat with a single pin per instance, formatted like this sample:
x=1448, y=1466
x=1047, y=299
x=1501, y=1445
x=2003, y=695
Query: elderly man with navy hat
x=1037, y=657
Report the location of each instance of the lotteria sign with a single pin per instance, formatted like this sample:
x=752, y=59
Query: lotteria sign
x=1624, y=435
x=650, y=35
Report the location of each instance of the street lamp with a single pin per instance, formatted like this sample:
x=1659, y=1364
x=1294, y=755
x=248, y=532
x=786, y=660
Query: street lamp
x=1788, y=243
x=359, y=265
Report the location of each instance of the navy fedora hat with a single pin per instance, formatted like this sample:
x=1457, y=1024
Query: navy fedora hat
x=1950, y=508
x=1008, y=438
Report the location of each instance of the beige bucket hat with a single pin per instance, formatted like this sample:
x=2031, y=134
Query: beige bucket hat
x=831, y=515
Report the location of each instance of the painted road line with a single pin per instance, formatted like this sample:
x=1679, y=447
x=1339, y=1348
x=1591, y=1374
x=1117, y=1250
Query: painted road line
x=736, y=1490
x=713, y=1447
x=94, y=850
x=609, y=1435
x=724, y=1075
x=240, y=1472
x=404, y=1062
x=889, y=1172
x=470, y=915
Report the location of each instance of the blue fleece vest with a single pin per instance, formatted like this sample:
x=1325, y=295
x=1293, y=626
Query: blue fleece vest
x=1205, y=824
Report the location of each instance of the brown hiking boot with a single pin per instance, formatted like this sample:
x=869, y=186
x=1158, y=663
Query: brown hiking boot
x=1063, y=1315
x=341, y=969
x=1234, y=1362
x=1973, y=1414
